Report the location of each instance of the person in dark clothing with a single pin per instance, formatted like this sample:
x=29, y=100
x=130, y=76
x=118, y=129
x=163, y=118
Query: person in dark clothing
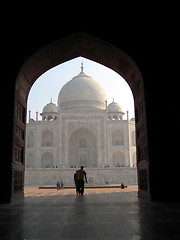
x=122, y=186
x=75, y=181
x=58, y=185
x=81, y=175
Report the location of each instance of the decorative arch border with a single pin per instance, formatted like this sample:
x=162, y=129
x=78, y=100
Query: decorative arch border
x=90, y=47
x=91, y=126
x=45, y=134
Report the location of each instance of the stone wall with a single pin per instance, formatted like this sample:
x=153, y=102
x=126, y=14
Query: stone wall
x=49, y=176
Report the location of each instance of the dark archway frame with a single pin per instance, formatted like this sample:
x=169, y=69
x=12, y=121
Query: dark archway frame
x=60, y=51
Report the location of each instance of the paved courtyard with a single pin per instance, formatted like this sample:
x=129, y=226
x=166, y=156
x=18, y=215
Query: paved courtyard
x=35, y=191
x=101, y=214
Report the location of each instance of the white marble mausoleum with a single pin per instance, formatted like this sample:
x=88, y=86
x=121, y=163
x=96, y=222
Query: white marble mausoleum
x=82, y=129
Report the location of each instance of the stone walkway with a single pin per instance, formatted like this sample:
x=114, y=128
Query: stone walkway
x=48, y=190
x=101, y=214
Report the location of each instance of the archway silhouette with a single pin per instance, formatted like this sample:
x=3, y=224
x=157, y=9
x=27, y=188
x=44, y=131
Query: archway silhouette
x=62, y=50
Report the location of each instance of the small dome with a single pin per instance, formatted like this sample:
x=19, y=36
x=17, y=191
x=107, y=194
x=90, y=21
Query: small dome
x=82, y=92
x=50, y=108
x=114, y=108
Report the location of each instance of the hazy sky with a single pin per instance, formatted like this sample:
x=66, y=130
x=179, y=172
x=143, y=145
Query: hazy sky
x=48, y=85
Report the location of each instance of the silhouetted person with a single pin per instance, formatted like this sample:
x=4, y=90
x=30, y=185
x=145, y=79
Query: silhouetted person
x=81, y=175
x=58, y=185
x=122, y=186
x=75, y=181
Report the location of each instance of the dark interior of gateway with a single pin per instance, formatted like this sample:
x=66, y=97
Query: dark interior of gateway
x=150, y=160
x=144, y=63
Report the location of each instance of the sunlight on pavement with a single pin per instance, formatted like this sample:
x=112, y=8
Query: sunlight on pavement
x=32, y=191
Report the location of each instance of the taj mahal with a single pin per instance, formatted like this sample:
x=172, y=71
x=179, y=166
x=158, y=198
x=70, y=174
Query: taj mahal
x=82, y=129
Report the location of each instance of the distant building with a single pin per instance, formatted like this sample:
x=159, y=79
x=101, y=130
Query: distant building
x=81, y=130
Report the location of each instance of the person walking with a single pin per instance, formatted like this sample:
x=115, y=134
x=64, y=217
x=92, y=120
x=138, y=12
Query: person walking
x=58, y=185
x=81, y=175
x=76, y=183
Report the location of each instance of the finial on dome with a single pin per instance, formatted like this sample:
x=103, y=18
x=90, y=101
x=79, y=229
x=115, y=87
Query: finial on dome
x=113, y=99
x=82, y=67
x=51, y=100
x=29, y=115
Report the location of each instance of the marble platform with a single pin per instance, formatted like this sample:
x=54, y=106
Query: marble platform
x=110, y=175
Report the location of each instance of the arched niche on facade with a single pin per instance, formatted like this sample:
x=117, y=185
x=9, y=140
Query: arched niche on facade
x=87, y=46
x=117, y=137
x=47, y=160
x=118, y=159
x=47, y=138
x=82, y=148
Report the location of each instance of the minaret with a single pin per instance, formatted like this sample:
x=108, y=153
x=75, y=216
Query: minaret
x=82, y=68
x=127, y=115
x=36, y=116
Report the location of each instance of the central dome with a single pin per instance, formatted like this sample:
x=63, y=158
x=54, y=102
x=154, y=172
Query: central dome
x=82, y=92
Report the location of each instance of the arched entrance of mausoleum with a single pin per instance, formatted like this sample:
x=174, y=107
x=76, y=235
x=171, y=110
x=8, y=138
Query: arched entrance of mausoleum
x=56, y=53
x=82, y=148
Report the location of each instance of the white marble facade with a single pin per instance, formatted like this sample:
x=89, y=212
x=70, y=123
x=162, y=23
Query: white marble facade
x=80, y=130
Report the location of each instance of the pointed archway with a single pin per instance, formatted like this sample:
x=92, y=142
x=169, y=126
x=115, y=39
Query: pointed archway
x=84, y=45
x=82, y=149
